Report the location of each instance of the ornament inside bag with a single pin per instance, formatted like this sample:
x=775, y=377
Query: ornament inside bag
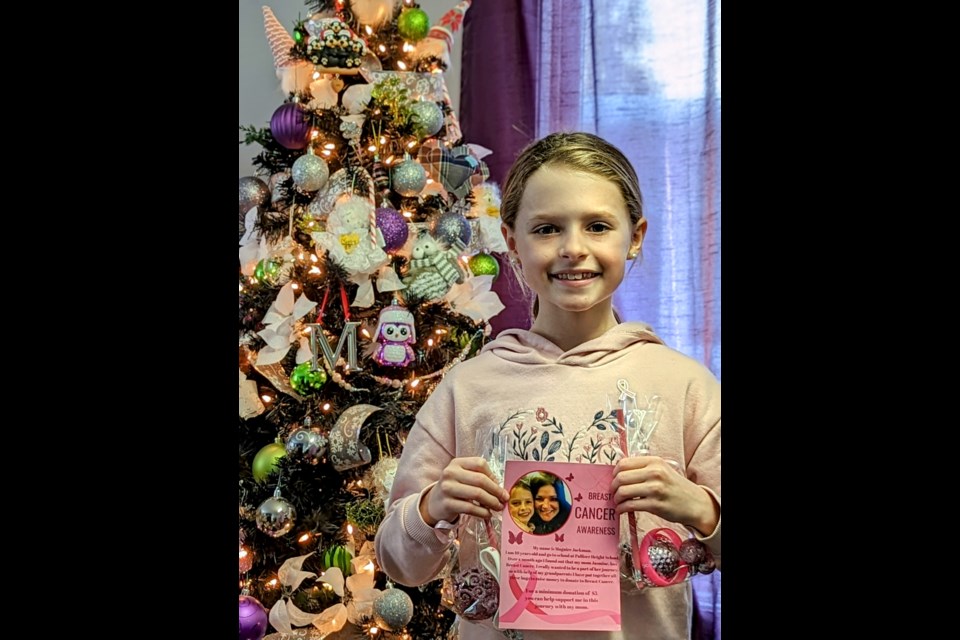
x=470, y=578
x=654, y=552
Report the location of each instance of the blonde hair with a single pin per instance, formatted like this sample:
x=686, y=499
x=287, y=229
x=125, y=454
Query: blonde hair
x=579, y=151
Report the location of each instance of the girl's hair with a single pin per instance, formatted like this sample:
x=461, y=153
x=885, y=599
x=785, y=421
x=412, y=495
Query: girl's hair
x=578, y=151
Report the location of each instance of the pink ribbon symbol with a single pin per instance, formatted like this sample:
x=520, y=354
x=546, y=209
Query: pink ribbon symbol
x=525, y=602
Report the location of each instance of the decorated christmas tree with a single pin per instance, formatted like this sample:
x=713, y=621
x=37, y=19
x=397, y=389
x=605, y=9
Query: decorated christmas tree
x=367, y=226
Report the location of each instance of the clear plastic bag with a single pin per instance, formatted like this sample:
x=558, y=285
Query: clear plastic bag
x=656, y=553
x=470, y=578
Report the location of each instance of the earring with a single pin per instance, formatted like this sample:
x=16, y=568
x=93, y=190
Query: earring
x=632, y=254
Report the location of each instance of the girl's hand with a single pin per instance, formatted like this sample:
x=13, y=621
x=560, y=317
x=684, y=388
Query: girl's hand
x=467, y=486
x=651, y=484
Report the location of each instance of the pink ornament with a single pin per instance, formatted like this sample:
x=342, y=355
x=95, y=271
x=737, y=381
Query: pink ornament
x=289, y=127
x=395, y=333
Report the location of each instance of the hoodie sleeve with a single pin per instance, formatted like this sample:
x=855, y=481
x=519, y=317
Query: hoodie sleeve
x=409, y=550
x=702, y=438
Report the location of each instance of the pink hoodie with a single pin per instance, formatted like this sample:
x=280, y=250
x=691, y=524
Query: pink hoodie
x=557, y=401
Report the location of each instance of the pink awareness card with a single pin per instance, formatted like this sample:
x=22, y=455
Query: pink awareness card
x=559, y=564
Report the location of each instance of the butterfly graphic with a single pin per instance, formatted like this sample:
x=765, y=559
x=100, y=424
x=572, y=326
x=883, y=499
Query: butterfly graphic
x=579, y=497
x=558, y=537
x=569, y=478
x=518, y=539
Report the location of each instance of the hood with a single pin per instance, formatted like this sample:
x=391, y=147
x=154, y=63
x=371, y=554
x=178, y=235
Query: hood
x=519, y=345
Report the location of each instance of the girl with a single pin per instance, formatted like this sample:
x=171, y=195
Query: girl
x=572, y=216
x=521, y=504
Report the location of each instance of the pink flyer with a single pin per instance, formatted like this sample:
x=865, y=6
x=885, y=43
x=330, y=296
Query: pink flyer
x=559, y=548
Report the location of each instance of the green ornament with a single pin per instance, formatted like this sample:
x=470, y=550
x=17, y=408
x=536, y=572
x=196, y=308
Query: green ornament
x=338, y=556
x=304, y=380
x=267, y=269
x=297, y=35
x=265, y=462
x=484, y=264
x=413, y=24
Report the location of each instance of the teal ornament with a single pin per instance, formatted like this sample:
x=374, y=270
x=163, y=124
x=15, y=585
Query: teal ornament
x=393, y=609
x=408, y=178
x=310, y=172
x=427, y=118
x=413, y=24
x=305, y=381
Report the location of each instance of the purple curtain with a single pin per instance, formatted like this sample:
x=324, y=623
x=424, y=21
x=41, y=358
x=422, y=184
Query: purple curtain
x=500, y=41
x=645, y=75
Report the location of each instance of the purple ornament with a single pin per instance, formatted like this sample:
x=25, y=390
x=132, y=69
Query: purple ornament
x=394, y=228
x=253, y=619
x=288, y=126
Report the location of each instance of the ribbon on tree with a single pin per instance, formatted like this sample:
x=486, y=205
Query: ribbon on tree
x=458, y=169
x=280, y=321
x=475, y=299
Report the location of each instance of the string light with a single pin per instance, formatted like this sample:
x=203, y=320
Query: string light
x=294, y=286
x=401, y=66
x=314, y=134
x=272, y=584
x=415, y=383
x=266, y=398
x=430, y=342
x=374, y=630
x=241, y=288
x=369, y=30
x=304, y=538
x=366, y=334
x=372, y=148
x=329, y=145
x=326, y=406
x=382, y=48
x=315, y=270
x=325, y=152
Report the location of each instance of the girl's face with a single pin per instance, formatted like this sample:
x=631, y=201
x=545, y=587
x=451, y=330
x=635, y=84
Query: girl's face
x=521, y=505
x=572, y=235
x=547, y=503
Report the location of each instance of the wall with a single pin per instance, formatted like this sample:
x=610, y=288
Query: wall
x=260, y=93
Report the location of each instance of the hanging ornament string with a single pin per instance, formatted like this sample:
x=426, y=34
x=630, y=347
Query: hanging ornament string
x=343, y=301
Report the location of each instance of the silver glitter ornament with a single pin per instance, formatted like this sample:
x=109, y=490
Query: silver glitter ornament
x=310, y=172
x=276, y=516
x=427, y=118
x=450, y=226
x=408, y=178
x=393, y=609
x=664, y=559
x=253, y=193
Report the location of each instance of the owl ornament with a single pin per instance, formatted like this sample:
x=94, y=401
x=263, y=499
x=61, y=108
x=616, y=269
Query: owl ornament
x=395, y=334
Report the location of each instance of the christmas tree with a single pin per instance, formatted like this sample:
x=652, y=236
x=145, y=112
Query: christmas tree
x=367, y=228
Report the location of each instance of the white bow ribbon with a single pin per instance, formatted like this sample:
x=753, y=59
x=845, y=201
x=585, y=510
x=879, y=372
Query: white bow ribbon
x=280, y=321
x=474, y=299
x=386, y=280
x=284, y=613
x=360, y=588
